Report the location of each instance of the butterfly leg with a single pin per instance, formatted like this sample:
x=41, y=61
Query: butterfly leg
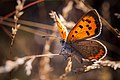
x=64, y=53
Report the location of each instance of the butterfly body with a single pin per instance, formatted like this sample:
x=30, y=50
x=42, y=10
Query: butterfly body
x=80, y=40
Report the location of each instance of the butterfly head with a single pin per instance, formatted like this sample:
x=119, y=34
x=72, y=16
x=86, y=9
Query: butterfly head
x=62, y=41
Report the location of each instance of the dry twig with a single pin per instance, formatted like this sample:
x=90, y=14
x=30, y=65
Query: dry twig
x=10, y=65
x=17, y=15
x=68, y=68
x=106, y=63
x=45, y=68
x=67, y=9
x=26, y=6
x=118, y=15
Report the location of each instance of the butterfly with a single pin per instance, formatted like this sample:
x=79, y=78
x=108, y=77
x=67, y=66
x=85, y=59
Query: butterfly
x=80, y=40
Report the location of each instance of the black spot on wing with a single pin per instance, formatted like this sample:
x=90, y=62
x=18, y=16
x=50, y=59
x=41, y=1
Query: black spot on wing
x=76, y=32
x=87, y=33
x=81, y=26
x=72, y=35
x=89, y=28
x=87, y=25
x=83, y=20
x=87, y=20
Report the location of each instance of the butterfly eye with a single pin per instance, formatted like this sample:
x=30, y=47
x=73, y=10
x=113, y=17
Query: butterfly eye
x=62, y=42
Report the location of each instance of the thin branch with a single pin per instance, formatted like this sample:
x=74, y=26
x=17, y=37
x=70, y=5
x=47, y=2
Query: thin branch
x=68, y=69
x=45, y=61
x=30, y=23
x=67, y=9
x=107, y=63
x=6, y=31
x=117, y=15
x=26, y=6
x=27, y=29
x=17, y=15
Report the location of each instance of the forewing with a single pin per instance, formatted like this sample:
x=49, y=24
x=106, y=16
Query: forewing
x=89, y=26
x=62, y=29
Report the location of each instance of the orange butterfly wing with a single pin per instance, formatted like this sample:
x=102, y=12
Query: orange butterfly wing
x=62, y=29
x=89, y=26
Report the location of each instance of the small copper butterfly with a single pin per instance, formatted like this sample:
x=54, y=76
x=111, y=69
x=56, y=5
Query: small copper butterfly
x=80, y=40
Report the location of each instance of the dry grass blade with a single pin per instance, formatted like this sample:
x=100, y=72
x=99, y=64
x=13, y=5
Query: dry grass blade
x=45, y=67
x=117, y=15
x=106, y=63
x=10, y=64
x=67, y=68
x=26, y=6
x=27, y=29
x=17, y=15
x=33, y=24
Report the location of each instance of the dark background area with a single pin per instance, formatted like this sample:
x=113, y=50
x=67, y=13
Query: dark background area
x=26, y=43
